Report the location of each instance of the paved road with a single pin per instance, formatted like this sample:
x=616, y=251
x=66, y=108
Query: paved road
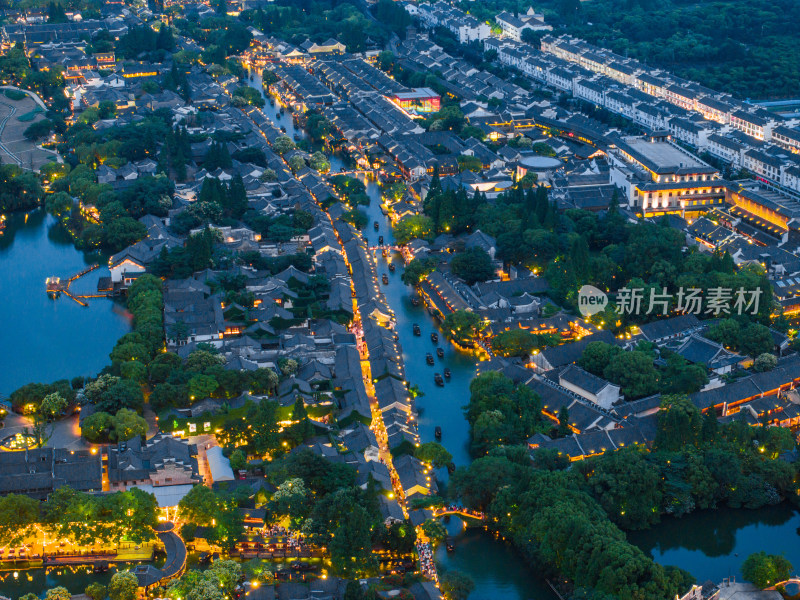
x=66, y=432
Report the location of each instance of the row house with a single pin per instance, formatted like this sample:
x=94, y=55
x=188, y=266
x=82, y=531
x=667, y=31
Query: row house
x=535, y=69
x=654, y=86
x=753, y=125
x=560, y=78
x=714, y=110
x=592, y=61
x=689, y=132
x=726, y=149
x=682, y=97
x=773, y=165
x=466, y=28
x=620, y=103
x=754, y=122
x=469, y=29
x=650, y=116
x=565, y=47
x=763, y=164
x=787, y=138
x=588, y=90
x=621, y=72
x=791, y=178
x=514, y=26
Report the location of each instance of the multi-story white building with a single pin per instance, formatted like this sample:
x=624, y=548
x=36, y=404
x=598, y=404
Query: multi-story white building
x=514, y=26
x=465, y=27
x=690, y=132
x=589, y=90
x=715, y=110
x=680, y=96
x=787, y=138
x=763, y=165
x=726, y=149
x=753, y=125
x=660, y=177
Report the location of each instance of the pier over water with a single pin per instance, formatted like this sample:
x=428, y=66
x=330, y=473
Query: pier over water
x=56, y=286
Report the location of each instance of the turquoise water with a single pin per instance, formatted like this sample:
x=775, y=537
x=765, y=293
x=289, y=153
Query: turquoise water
x=45, y=339
x=712, y=545
x=74, y=578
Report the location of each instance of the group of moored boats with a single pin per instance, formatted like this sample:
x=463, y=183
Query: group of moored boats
x=437, y=377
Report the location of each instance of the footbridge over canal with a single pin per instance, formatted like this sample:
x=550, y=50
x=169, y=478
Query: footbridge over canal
x=150, y=577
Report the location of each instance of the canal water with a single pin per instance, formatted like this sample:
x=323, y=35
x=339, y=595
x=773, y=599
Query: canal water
x=73, y=577
x=713, y=544
x=438, y=406
x=272, y=111
x=44, y=339
x=496, y=568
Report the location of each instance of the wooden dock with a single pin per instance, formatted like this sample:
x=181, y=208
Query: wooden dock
x=56, y=286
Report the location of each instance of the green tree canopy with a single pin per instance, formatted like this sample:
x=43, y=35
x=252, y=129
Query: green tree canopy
x=418, y=269
x=18, y=515
x=764, y=570
x=123, y=586
x=456, y=585
x=60, y=593
x=433, y=453
x=473, y=265
x=413, y=227
x=463, y=327
x=679, y=424
x=500, y=413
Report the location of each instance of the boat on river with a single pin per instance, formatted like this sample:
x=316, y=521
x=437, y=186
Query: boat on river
x=100, y=566
x=376, y=225
x=414, y=301
x=429, y=358
x=385, y=279
x=416, y=329
x=434, y=337
x=437, y=379
x=380, y=240
x=447, y=374
x=391, y=267
x=437, y=432
x=283, y=129
x=440, y=352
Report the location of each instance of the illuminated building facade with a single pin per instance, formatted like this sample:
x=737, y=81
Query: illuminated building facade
x=660, y=177
x=764, y=207
x=423, y=100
